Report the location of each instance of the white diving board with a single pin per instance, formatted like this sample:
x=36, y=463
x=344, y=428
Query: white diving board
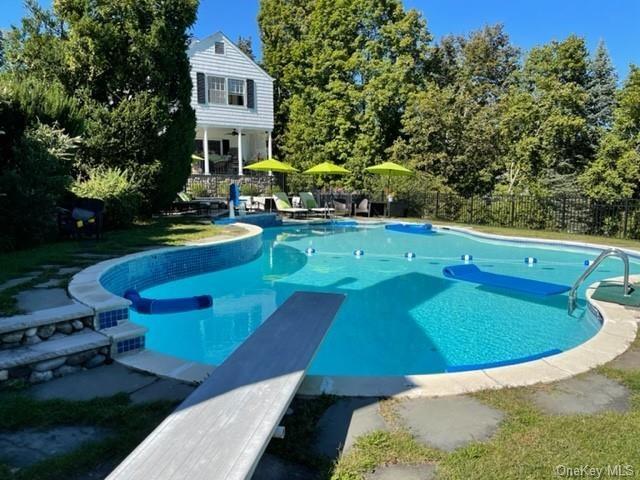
x=222, y=429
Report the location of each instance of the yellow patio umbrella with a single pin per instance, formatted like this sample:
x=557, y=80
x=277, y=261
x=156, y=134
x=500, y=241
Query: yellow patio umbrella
x=271, y=165
x=389, y=169
x=327, y=168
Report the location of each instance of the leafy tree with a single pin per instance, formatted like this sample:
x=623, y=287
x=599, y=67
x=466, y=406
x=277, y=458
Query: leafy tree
x=544, y=125
x=343, y=72
x=615, y=173
x=126, y=61
x=246, y=45
x=451, y=130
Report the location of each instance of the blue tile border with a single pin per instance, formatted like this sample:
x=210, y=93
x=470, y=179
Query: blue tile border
x=154, y=269
x=111, y=318
x=130, y=344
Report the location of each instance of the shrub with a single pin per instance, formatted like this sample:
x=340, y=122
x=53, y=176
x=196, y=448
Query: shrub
x=34, y=174
x=198, y=190
x=249, y=190
x=118, y=189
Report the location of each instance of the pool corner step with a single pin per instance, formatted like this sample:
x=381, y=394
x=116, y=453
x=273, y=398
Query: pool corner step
x=125, y=338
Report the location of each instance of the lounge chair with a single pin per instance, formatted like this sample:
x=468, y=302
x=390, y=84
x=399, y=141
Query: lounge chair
x=283, y=205
x=308, y=202
x=363, y=207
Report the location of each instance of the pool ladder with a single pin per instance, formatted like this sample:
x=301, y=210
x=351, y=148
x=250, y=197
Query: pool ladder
x=611, y=252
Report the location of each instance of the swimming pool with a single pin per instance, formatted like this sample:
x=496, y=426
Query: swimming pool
x=401, y=317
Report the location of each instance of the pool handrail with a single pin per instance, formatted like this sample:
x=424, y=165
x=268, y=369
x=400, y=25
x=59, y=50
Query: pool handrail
x=610, y=252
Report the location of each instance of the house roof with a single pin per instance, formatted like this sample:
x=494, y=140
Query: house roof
x=207, y=42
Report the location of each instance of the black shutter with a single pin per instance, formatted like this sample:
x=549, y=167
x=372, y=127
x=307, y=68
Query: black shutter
x=251, y=93
x=202, y=90
x=225, y=146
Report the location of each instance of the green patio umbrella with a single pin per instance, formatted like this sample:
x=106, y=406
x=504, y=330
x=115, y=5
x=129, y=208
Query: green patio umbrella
x=389, y=169
x=327, y=168
x=271, y=165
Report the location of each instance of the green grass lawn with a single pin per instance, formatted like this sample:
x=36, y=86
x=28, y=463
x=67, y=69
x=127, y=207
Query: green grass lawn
x=154, y=233
x=520, y=232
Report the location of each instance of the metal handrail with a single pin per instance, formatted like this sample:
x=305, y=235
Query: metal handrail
x=611, y=252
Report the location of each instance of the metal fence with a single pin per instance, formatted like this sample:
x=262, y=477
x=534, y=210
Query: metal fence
x=570, y=214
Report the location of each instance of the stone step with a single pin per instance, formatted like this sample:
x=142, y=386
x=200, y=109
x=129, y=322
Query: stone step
x=51, y=349
x=45, y=317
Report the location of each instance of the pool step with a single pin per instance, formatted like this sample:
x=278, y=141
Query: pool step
x=125, y=338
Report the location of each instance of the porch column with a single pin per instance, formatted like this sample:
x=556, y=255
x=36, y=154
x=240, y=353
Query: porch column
x=240, y=151
x=205, y=146
x=269, y=147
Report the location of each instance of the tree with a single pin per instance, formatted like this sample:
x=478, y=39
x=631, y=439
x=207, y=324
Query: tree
x=451, y=128
x=602, y=88
x=126, y=61
x=615, y=173
x=246, y=45
x=544, y=124
x=343, y=71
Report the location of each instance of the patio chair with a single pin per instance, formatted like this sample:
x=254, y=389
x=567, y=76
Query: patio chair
x=283, y=205
x=308, y=202
x=363, y=207
x=340, y=208
x=81, y=217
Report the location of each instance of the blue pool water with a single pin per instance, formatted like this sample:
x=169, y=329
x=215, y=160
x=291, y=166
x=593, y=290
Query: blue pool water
x=400, y=317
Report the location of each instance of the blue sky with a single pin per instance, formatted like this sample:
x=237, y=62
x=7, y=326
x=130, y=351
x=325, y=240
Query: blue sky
x=528, y=22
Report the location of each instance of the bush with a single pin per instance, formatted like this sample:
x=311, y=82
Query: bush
x=198, y=190
x=118, y=189
x=34, y=175
x=250, y=190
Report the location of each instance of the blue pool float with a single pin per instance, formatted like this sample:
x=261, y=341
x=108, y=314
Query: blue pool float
x=418, y=228
x=502, y=363
x=471, y=273
x=169, y=305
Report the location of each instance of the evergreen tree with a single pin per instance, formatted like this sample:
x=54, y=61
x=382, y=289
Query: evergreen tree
x=602, y=87
x=615, y=173
x=126, y=61
x=246, y=45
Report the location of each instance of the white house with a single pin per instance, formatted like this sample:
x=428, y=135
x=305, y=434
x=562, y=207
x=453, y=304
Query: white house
x=233, y=100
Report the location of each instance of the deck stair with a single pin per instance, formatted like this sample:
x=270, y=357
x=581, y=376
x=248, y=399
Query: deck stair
x=221, y=430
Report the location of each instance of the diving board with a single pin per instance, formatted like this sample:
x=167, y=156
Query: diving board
x=221, y=430
x=471, y=273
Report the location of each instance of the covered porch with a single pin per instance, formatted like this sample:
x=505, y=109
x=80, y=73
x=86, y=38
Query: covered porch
x=227, y=150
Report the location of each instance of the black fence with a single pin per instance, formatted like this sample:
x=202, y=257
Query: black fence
x=570, y=214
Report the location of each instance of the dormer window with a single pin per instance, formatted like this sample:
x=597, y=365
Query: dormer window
x=219, y=48
x=236, y=92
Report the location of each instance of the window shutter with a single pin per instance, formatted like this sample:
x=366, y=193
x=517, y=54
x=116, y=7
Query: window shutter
x=202, y=90
x=251, y=93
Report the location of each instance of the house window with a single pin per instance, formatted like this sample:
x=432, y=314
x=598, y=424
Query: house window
x=217, y=93
x=236, y=92
x=219, y=48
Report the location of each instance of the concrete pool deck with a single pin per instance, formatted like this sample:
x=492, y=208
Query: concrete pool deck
x=619, y=326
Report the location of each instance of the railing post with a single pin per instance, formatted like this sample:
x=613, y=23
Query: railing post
x=471, y=210
x=626, y=217
x=437, y=204
x=564, y=213
x=513, y=211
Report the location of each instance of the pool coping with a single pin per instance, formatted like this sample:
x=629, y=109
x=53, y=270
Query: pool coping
x=618, y=331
